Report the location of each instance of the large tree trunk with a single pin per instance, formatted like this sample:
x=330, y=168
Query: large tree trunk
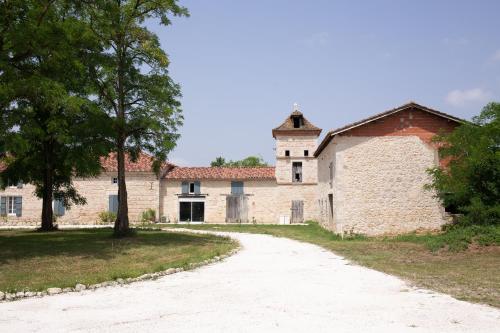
x=48, y=192
x=121, y=224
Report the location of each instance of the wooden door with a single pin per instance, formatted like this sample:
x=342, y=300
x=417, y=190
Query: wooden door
x=236, y=208
x=297, y=211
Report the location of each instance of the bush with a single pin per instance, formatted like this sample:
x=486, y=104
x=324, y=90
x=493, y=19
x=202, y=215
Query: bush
x=107, y=217
x=149, y=215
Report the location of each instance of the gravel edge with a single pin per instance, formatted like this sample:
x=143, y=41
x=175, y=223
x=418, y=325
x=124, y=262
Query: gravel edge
x=9, y=297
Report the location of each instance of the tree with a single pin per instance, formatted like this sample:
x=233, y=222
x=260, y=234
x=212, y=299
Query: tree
x=218, y=162
x=250, y=161
x=133, y=84
x=50, y=125
x=471, y=181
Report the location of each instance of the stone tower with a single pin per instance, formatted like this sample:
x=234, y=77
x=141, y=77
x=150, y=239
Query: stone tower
x=296, y=141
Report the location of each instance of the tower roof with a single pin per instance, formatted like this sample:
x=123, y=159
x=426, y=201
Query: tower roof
x=296, y=124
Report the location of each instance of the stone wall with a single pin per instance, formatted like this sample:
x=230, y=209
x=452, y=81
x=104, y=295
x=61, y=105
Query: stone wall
x=267, y=200
x=296, y=145
x=142, y=188
x=378, y=185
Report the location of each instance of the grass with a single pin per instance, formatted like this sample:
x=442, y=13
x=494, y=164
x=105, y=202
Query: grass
x=464, y=263
x=35, y=261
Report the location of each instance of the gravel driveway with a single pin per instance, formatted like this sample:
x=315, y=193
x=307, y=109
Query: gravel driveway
x=272, y=284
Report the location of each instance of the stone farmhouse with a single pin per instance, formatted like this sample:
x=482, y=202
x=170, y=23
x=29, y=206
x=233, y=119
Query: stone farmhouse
x=367, y=177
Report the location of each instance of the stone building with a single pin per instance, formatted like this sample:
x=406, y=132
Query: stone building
x=367, y=177
x=372, y=173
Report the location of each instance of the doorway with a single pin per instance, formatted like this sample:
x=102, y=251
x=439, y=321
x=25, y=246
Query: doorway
x=191, y=211
x=297, y=211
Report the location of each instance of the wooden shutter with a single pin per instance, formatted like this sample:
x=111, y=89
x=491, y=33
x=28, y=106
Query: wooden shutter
x=197, y=189
x=185, y=188
x=18, y=202
x=59, y=208
x=3, y=206
x=237, y=188
x=113, y=203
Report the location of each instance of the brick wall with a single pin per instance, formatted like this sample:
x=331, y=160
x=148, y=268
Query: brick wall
x=411, y=122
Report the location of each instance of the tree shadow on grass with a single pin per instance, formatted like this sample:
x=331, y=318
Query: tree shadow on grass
x=94, y=243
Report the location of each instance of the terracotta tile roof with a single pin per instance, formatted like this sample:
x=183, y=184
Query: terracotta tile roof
x=221, y=173
x=411, y=105
x=144, y=163
x=287, y=128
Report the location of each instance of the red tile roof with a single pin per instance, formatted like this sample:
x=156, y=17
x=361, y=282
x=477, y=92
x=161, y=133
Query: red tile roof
x=144, y=163
x=221, y=173
x=411, y=105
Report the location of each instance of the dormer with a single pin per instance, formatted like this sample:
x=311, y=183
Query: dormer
x=296, y=125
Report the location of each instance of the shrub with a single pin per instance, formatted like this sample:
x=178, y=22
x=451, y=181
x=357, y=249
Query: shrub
x=107, y=217
x=149, y=215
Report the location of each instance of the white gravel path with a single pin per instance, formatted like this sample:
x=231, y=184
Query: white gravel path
x=272, y=284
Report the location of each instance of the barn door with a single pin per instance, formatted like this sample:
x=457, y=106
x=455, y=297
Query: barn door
x=236, y=209
x=297, y=211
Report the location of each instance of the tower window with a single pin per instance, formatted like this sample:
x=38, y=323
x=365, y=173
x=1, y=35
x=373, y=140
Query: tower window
x=306, y=152
x=297, y=172
x=297, y=122
x=287, y=153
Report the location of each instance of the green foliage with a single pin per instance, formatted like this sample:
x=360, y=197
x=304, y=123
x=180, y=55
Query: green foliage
x=455, y=238
x=107, y=217
x=132, y=82
x=471, y=181
x=149, y=215
x=51, y=127
x=250, y=161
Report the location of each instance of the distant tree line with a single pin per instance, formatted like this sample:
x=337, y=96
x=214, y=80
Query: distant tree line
x=250, y=161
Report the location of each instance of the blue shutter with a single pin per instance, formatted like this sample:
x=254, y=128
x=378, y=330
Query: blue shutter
x=236, y=187
x=59, y=208
x=3, y=206
x=185, y=188
x=18, y=201
x=113, y=203
x=197, y=188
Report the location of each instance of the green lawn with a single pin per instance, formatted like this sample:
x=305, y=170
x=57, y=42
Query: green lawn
x=464, y=263
x=36, y=261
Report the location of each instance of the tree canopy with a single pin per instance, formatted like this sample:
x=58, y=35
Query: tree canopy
x=50, y=125
x=133, y=85
x=250, y=161
x=470, y=183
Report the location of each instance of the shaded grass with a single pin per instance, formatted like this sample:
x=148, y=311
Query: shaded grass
x=457, y=262
x=36, y=261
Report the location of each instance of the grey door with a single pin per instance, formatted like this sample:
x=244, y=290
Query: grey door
x=297, y=211
x=236, y=208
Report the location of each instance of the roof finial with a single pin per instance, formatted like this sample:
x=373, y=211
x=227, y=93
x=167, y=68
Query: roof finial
x=296, y=107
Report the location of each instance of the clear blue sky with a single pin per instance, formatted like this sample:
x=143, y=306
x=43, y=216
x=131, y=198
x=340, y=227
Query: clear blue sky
x=242, y=65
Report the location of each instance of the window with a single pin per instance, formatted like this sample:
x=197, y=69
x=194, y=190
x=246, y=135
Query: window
x=12, y=184
x=114, y=180
x=297, y=122
x=306, y=152
x=287, y=153
x=191, y=211
x=237, y=188
x=190, y=188
x=297, y=172
x=11, y=206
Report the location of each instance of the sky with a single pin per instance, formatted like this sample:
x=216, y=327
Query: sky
x=243, y=64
